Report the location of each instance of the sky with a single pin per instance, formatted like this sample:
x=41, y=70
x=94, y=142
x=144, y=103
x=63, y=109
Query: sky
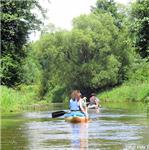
x=62, y=12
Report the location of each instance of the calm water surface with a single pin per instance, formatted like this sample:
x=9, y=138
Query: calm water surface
x=112, y=128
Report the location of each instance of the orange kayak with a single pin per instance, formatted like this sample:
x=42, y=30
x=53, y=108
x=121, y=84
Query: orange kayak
x=77, y=119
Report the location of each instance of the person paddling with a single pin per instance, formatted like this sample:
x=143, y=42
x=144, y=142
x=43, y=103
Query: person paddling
x=77, y=105
x=73, y=103
x=82, y=103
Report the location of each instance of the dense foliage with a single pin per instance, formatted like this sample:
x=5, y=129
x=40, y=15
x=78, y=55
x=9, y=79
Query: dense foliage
x=101, y=51
x=112, y=8
x=17, y=20
x=140, y=25
x=94, y=55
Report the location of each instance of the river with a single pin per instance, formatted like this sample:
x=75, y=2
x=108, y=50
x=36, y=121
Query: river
x=112, y=128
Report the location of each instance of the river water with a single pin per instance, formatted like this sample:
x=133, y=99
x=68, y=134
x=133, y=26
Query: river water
x=112, y=128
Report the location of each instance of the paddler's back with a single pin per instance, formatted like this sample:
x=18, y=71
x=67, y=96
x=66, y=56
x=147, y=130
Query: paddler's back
x=73, y=105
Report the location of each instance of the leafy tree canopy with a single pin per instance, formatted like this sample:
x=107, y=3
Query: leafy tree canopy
x=140, y=26
x=93, y=55
x=17, y=20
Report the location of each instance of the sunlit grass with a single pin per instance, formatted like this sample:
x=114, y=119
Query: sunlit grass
x=15, y=100
x=127, y=92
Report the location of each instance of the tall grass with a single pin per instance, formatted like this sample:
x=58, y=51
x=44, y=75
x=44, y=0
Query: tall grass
x=15, y=100
x=127, y=92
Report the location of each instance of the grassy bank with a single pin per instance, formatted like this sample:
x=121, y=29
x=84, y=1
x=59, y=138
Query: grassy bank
x=14, y=100
x=138, y=92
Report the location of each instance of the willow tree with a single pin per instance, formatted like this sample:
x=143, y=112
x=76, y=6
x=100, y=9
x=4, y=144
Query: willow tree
x=99, y=54
x=95, y=54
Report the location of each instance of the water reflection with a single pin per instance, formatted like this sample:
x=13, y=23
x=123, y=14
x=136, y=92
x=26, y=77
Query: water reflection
x=79, y=136
x=109, y=129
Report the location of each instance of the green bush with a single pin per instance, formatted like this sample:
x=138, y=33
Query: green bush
x=136, y=88
x=139, y=72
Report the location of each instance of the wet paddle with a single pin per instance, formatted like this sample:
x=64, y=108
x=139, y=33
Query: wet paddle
x=58, y=114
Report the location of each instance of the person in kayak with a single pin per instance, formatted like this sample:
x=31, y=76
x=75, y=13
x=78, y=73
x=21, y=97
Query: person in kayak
x=73, y=103
x=94, y=100
x=82, y=103
x=77, y=105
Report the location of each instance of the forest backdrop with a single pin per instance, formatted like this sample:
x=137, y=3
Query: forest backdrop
x=107, y=52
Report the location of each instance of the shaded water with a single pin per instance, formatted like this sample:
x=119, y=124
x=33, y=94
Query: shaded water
x=110, y=129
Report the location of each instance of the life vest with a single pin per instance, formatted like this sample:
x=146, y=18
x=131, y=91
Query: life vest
x=74, y=105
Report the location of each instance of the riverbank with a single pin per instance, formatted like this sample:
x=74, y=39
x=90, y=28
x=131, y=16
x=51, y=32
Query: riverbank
x=24, y=99
x=13, y=100
x=138, y=92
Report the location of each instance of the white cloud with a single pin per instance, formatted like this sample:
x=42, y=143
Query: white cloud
x=61, y=12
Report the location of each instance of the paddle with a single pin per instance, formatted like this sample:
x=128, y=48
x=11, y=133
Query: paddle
x=58, y=114
x=87, y=103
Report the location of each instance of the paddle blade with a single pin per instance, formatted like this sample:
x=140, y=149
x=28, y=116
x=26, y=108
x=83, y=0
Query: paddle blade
x=87, y=104
x=58, y=114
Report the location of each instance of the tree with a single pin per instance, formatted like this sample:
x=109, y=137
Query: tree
x=140, y=26
x=99, y=52
x=95, y=54
x=47, y=52
x=106, y=6
x=17, y=20
x=112, y=8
